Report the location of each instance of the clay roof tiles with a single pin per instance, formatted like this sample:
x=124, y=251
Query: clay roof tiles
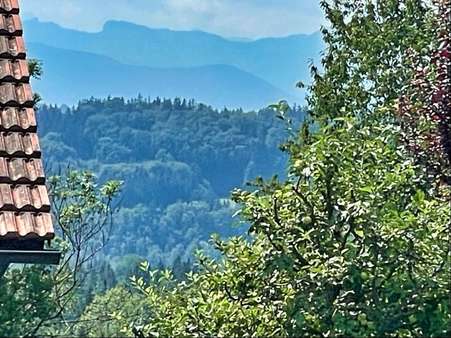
x=17, y=119
x=10, y=25
x=14, y=71
x=12, y=47
x=24, y=201
x=9, y=6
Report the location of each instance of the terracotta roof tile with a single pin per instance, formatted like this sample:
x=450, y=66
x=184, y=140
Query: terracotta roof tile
x=25, y=225
x=16, y=119
x=9, y=6
x=10, y=24
x=19, y=144
x=21, y=170
x=14, y=71
x=16, y=95
x=24, y=198
x=12, y=47
x=24, y=201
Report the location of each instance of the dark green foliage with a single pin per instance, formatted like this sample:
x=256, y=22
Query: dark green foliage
x=179, y=160
x=39, y=298
x=354, y=243
x=21, y=300
x=35, y=68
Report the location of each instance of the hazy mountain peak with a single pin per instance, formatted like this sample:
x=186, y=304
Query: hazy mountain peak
x=275, y=63
x=120, y=25
x=147, y=33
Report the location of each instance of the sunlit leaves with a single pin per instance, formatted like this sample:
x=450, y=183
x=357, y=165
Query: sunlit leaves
x=353, y=243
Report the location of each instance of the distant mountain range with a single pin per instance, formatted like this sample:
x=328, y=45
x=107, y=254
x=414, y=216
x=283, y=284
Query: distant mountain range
x=71, y=75
x=125, y=59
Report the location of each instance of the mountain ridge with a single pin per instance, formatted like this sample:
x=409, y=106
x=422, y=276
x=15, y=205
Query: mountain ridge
x=279, y=61
x=67, y=73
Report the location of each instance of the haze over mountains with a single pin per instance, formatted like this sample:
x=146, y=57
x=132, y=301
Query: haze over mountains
x=125, y=59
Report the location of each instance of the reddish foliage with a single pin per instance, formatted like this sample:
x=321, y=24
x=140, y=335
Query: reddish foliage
x=426, y=111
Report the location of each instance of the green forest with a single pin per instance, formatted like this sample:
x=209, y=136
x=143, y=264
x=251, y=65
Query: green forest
x=327, y=220
x=179, y=161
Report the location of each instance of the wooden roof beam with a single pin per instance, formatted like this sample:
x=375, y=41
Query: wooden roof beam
x=47, y=257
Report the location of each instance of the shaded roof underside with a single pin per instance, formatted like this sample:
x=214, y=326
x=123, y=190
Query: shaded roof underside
x=24, y=201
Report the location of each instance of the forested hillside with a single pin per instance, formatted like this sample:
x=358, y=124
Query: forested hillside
x=352, y=239
x=178, y=159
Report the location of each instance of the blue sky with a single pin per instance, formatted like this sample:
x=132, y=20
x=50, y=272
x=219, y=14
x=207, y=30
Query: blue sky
x=230, y=18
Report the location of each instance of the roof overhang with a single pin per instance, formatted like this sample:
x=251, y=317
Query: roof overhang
x=47, y=257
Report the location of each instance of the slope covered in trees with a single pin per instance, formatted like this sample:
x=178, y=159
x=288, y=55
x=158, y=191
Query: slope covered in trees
x=179, y=160
x=355, y=242
x=352, y=242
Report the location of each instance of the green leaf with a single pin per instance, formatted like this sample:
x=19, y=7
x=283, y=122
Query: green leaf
x=359, y=232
